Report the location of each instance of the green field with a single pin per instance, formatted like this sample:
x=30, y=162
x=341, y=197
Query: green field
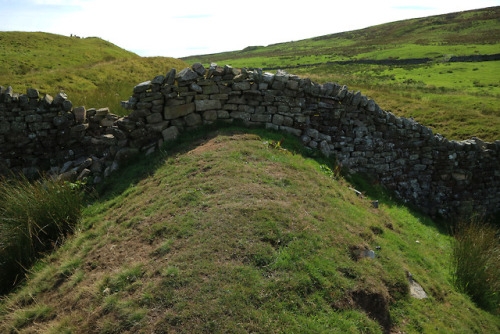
x=176, y=245
x=458, y=100
x=92, y=72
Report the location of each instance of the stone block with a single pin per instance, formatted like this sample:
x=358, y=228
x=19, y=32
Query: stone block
x=202, y=105
x=211, y=89
x=173, y=112
x=210, y=115
x=170, y=133
x=142, y=87
x=293, y=131
x=193, y=119
x=243, y=85
x=154, y=118
x=240, y=115
x=263, y=118
x=222, y=114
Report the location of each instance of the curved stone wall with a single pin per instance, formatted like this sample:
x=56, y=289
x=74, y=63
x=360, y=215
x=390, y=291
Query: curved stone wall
x=441, y=177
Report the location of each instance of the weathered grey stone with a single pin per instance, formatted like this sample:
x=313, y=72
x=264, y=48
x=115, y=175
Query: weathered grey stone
x=60, y=121
x=263, y=118
x=60, y=98
x=170, y=77
x=240, y=115
x=222, y=114
x=158, y=127
x=172, y=112
x=243, y=85
x=47, y=99
x=186, y=75
x=210, y=115
x=199, y=69
x=313, y=133
x=194, y=87
x=158, y=80
x=142, y=87
x=126, y=153
x=126, y=125
x=32, y=93
x=278, y=119
x=202, y=105
x=371, y=106
x=5, y=127
x=154, y=118
x=170, y=133
x=290, y=130
x=210, y=89
x=193, y=119
x=324, y=148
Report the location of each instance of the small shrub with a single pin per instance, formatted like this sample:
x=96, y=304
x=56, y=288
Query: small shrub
x=34, y=217
x=476, y=266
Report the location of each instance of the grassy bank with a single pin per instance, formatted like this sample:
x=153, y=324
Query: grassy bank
x=226, y=232
x=91, y=71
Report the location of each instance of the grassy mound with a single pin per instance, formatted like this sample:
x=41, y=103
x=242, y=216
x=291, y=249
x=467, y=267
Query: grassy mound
x=93, y=72
x=231, y=232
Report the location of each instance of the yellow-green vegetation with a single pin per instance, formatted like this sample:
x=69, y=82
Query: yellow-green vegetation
x=243, y=231
x=462, y=33
x=93, y=72
x=476, y=251
x=34, y=218
x=457, y=100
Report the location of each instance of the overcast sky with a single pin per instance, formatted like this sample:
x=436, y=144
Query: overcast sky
x=182, y=28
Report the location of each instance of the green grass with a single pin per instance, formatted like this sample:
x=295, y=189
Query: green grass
x=34, y=218
x=93, y=72
x=457, y=100
x=223, y=232
x=444, y=97
x=476, y=251
x=463, y=33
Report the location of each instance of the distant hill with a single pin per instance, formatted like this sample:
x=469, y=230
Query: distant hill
x=93, y=72
x=459, y=100
x=461, y=33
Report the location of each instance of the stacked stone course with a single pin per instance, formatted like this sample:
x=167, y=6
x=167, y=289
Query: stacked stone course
x=441, y=177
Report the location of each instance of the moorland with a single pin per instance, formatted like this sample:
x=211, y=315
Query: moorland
x=238, y=230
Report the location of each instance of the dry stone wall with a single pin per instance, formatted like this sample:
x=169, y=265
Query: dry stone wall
x=441, y=177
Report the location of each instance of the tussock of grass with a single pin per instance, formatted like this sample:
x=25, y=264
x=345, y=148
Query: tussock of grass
x=476, y=265
x=34, y=217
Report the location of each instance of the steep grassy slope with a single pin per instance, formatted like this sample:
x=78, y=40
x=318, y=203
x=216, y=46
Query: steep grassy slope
x=25, y=52
x=458, y=100
x=231, y=233
x=93, y=72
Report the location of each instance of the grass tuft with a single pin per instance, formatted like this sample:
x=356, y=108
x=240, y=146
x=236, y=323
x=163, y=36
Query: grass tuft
x=476, y=266
x=34, y=217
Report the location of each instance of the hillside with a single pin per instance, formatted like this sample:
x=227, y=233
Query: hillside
x=461, y=33
x=458, y=100
x=230, y=232
x=92, y=71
